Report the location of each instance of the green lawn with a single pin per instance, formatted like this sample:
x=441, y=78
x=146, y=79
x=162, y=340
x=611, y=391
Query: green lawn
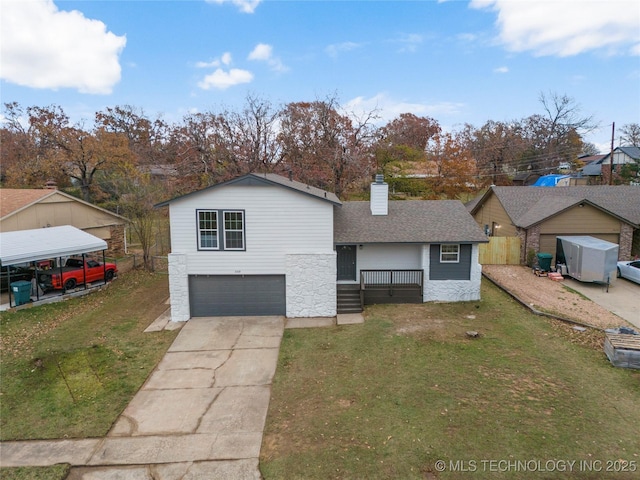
x=390, y=398
x=70, y=368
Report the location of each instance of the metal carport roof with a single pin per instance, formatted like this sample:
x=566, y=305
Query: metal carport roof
x=31, y=245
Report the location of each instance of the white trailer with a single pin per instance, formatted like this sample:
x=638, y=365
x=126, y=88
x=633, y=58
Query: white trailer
x=587, y=259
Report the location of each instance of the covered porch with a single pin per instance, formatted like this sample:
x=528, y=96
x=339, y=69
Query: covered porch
x=379, y=287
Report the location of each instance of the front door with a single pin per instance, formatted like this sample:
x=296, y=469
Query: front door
x=346, y=262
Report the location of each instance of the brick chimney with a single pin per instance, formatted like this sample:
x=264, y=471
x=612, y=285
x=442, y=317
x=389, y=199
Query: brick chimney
x=379, y=202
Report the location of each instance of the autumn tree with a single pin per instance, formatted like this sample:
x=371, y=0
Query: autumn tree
x=147, y=139
x=213, y=147
x=494, y=146
x=252, y=134
x=198, y=150
x=630, y=135
x=80, y=154
x=29, y=145
x=401, y=144
x=323, y=147
x=454, y=165
x=136, y=202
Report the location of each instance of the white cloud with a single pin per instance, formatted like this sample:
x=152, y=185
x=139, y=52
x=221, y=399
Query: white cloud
x=217, y=62
x=264, y=53
x=43, y=47
x=222, y=79
x=335, y=49
x=409, y=42
x=261, y=51
x=245, y=6
x=501, y=70
x=566, y=28
x=387, y=108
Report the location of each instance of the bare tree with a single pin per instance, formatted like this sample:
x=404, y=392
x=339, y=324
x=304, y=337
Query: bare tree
x=630, y=135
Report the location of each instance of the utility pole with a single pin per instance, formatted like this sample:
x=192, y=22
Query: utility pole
x=613, y=132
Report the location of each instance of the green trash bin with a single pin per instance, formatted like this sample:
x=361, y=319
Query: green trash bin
x=21, y=292
x=544, y=261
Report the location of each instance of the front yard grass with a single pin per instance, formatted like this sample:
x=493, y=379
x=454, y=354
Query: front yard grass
x=70, y=368
x=390, y=398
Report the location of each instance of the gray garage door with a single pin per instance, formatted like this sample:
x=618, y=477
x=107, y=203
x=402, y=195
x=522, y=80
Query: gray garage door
x=234, y=295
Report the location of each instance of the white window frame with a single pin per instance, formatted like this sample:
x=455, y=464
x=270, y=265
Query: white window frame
x=216, y=230
x=225, y=229
x=444, y=254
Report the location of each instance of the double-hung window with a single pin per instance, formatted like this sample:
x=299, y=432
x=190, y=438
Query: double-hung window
x=220, y=230
x=234, y=230
x=207, y=229
x=449, y=253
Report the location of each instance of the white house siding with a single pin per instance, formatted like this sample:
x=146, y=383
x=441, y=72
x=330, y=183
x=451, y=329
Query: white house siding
x=311, y=285
x=388, y=257
x=452, y=290
x=278, y=222
x=179, y=287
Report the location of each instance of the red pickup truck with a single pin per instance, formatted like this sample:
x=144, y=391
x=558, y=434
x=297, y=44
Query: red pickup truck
x=76, y=272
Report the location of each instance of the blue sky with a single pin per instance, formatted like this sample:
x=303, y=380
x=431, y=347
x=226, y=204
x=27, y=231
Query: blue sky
x=456, y=61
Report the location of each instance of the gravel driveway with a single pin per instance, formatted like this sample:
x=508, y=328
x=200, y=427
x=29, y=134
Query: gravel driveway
x=550, y=296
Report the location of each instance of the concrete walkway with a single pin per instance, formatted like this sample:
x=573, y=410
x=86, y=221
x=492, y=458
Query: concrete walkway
x=200, y=414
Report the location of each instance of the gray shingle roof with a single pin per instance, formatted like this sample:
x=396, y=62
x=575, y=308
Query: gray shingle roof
x=415, y=221
x=527, y=206
x=300, y=187
x=269, y=179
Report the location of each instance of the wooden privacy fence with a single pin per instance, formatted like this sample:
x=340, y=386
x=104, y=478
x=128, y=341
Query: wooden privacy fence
x=500, y=251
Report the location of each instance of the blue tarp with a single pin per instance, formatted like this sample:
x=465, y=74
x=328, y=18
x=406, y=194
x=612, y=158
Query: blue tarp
x=548, y=180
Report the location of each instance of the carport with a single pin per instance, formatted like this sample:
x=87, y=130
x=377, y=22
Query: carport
x=31, y=246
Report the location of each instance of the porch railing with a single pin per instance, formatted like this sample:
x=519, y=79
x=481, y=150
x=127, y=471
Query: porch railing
x=391, y=278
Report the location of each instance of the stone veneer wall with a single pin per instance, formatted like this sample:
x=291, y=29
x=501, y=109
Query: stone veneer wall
x=179, y=287
x=116, y=242
x=452, y=290
x=626, y=241
x=311, y=285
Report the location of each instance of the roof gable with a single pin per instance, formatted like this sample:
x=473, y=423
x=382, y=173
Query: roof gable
x=12, y=200
x=527, y=206
x=15, y=200
x=268, y=179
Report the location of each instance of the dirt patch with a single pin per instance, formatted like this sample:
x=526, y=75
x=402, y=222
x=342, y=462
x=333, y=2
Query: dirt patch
x=550, y=296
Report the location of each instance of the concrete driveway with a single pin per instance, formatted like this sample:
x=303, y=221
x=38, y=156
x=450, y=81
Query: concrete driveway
x=200, y=414
x=622, y=297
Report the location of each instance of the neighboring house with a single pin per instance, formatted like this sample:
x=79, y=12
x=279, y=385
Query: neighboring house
x=262, y=244
x=27, y=209
x=592, y=169
x=621, y=156
x=599, y=168
x=538, y=215
x=525, y=178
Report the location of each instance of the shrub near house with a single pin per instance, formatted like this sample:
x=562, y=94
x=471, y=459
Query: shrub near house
x=76, y=272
